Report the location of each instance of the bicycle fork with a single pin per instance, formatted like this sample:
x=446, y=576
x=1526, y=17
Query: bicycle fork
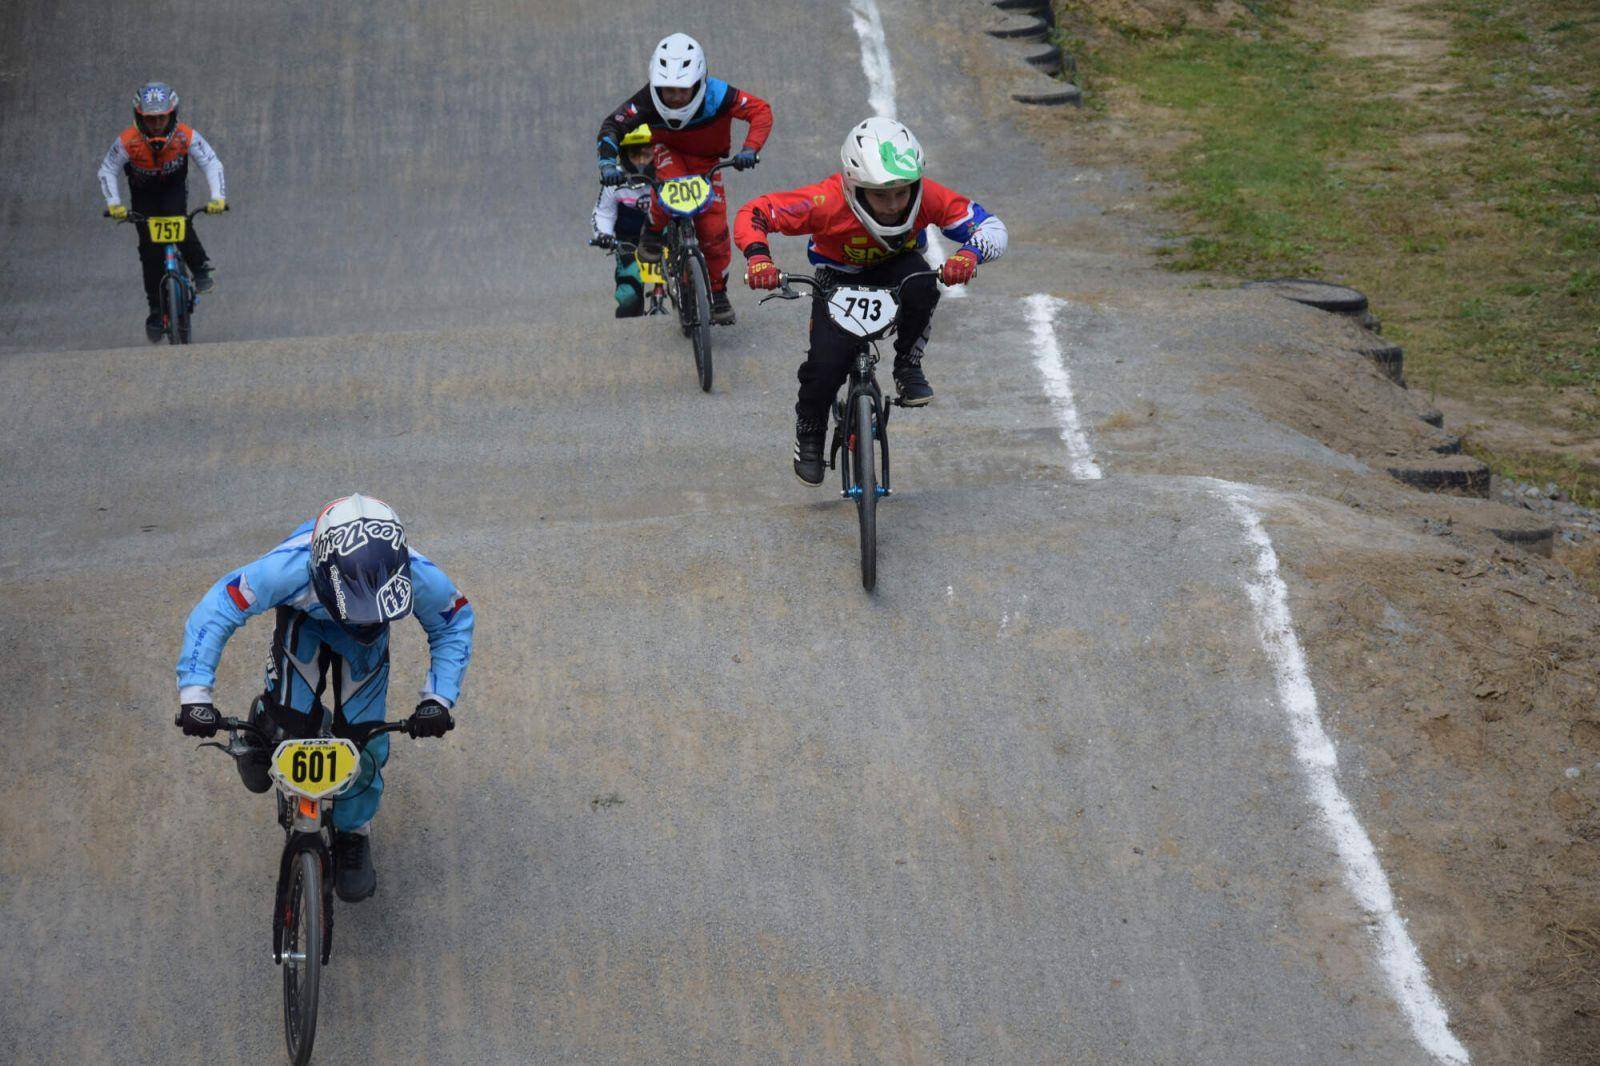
x=844, y=436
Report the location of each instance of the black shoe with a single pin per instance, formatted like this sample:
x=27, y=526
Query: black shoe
x=154, y=327
x=204, y=277
x=808, y=435
x=254, y=767
x=354, y=879
x=912, y=383
x=721, y=309
x=650, y=247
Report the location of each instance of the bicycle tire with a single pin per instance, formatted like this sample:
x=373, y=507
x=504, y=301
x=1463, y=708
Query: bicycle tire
x=169, y=308
x=302, y=977
x=185, y=312
x=700, y=277
x=866, y=483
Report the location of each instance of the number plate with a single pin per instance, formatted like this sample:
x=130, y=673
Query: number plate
x=316, y=767
x=650, y=274
x=685, y=196
x=862, y=312
x=168, y=229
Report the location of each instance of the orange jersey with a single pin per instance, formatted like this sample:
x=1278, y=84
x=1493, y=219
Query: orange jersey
x=150, y=171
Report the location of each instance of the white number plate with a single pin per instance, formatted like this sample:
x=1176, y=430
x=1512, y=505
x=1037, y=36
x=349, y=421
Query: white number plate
x=862, y=312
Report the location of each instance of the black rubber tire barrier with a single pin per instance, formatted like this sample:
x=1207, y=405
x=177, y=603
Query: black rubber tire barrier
x=1459, y=474
x=1323, y=295
x=1046, y=59
x=1538, y=541
x=1390, y=359
x=1066, y=94
x=1450, y=445
x=1433, y=418
x=1041, y=6
x=1032, y=29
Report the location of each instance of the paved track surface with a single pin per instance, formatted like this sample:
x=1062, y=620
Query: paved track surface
x=1033, y=800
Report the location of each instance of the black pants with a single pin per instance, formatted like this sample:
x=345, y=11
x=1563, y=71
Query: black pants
x=833, y=351
x=153, y=258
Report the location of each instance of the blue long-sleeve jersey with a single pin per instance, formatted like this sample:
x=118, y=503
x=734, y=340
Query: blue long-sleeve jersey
x=282, y=578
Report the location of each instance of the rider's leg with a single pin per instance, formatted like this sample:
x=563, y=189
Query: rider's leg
x=826, y=367
x=917, y=300
x=152, y=264
x=359, y=675
x=712, y=227
x=630, y=289
x=194, y=254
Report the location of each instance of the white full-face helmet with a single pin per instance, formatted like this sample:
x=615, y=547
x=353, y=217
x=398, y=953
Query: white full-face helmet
x=678, y=63
x=882, y=154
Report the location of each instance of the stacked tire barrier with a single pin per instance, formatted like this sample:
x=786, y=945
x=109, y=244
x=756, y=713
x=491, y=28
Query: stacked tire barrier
x=1030, y=25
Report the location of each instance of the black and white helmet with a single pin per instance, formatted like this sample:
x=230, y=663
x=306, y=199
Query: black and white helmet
x=155, y=112
x=360, y=565
x=678, y=63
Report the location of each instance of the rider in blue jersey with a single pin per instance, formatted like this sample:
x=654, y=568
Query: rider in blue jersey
x=335, y=585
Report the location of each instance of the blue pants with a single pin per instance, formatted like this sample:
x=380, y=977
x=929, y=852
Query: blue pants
x=630, y=290
x=309, y=657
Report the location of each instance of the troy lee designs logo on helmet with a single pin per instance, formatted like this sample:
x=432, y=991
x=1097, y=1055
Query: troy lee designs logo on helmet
x=352, y=536
x=338, y=591
x=394, y=599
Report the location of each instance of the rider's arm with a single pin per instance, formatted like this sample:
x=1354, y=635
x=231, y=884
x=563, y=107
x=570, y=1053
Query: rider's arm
x=203, y=154
x=605, y=212
x=634, y=110
x=757, y=112
x=116, y=158
x=777, y=212
x=275, y=578
x=447, y=617
x=964, y=221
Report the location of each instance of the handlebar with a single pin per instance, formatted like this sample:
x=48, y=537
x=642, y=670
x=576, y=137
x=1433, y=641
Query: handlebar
x=134, y=216
x=822, y=288
x=641, y=181
x=361, y=733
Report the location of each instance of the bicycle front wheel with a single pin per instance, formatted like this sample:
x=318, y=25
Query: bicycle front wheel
x=699, y=279
x=302, y=955
x=865, y=473
x=171, y=308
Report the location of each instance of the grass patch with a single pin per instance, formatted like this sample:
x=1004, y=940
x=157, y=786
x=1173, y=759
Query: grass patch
x=1442, y=155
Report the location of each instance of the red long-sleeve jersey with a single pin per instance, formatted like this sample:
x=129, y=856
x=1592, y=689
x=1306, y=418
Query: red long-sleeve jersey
x=838, y=239
x=706, y=138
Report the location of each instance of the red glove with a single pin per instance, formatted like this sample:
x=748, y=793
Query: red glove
x=760, y=272
x=959, y=268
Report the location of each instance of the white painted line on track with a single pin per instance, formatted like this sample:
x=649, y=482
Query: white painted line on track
x=868, y=21
x=874, y=56
x=1363, y=874
x=1058, y=384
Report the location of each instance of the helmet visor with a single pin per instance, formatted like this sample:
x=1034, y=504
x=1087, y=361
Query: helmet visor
x=155, y=126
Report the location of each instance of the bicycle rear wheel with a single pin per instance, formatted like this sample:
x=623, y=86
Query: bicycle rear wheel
x=302, y=955
x=699, y=279
x=865, y=475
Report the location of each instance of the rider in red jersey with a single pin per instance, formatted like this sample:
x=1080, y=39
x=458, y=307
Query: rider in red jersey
x=690, y=117
x=869, y=221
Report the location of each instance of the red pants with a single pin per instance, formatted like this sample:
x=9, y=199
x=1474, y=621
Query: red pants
x=711, y=224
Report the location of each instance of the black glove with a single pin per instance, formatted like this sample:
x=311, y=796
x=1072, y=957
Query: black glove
x=603, y=240
x=197, y=720
x=746, y=159
x=611, y=173
x=430, y=719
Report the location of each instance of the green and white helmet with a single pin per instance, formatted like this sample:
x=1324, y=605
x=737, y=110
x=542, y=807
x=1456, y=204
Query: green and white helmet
x=882, y=154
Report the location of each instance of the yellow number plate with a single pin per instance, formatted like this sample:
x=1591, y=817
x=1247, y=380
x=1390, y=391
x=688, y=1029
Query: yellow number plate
x=685, y=195
x=650, y=274
x=316, y=767
x=168, y=229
